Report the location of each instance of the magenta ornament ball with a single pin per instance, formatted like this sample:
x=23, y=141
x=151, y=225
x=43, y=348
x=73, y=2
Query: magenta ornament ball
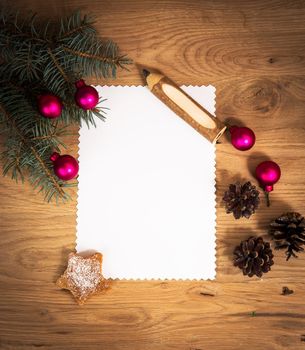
x=86, y=96
x=65, y=167
x=242, y=138
x=49, y=106
x=268, y=173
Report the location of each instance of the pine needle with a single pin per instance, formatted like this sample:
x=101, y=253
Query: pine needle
x=38, y=57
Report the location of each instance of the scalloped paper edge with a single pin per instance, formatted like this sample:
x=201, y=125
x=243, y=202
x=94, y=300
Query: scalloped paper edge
x=214, y=199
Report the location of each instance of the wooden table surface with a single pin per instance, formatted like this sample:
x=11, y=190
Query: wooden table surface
x=254, y=53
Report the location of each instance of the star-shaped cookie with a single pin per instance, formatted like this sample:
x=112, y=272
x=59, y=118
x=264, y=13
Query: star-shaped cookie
x=83, y=276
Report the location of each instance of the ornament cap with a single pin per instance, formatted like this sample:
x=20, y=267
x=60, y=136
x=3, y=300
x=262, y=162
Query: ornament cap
x=54, y=156
x=269, y=188
x=80, y=83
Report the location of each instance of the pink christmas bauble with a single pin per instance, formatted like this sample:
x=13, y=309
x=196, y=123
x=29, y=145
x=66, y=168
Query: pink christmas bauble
x=242, y=138
x=268, y=173
x=65, y=167
x=49, y=105
x=86, y=96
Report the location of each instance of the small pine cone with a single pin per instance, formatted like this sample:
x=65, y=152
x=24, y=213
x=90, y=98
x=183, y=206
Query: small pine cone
x=241, y=200
x=288, y=232
x=253, y=256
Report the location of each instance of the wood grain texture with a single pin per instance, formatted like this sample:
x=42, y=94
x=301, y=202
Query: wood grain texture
x=254, y=53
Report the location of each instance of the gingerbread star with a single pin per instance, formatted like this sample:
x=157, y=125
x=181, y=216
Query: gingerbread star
x=83, y=276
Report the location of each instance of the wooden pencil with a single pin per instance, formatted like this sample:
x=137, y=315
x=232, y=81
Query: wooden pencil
x=184, y=105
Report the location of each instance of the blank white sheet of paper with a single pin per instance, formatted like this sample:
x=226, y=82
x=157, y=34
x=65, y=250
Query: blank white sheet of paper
x=146, y=197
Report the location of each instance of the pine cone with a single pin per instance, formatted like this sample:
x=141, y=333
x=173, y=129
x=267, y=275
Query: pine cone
x=241, y=200
x=253, y=256
x=288, y=232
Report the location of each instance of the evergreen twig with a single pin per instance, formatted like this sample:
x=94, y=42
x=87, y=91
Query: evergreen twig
x=26, y=143
x=58, y=65
x=104, y=59
x=38, y=57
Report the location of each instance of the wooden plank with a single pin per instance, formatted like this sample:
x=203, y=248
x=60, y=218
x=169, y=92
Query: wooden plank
x=253, y=52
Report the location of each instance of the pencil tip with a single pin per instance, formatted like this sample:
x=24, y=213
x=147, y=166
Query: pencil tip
x=145, y=73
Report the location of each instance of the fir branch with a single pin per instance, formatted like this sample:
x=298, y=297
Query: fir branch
x=11, y=26
x=103, y=59
x=58, y=65
x=11, y=122
x=20, y=89
x=47, y=171
x=73, y=31
x=57, y=132
x=74, y=25
x=45, y=137
x=13, y=157
x=39, y=58
x=99, y=59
